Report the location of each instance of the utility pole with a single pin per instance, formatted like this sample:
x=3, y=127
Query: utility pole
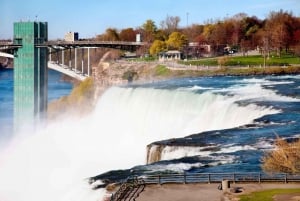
x=187, y=19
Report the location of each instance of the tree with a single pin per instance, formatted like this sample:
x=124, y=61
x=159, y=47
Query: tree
x=279, y=26
x=157, y=46
x=284, y=158
x=149, y=30
x=193, y=32
x=127, y=34
x=218, y=37
x=170, y=24
x=111, y=34
x=176, y=41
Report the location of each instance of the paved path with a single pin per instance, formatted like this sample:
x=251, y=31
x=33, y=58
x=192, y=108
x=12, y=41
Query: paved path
x=205, y=192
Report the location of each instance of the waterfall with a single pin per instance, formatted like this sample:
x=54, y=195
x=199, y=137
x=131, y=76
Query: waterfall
x=53, y=163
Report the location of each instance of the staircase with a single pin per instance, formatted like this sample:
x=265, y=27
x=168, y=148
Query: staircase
x=129, y=190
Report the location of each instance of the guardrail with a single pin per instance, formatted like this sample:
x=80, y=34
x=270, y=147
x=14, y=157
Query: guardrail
x=219, y=177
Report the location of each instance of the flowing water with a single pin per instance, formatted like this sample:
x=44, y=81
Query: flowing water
x=229, y=121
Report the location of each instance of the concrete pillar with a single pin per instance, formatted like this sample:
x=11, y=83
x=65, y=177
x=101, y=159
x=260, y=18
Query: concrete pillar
x=70, y=58
x=82, y=59
x=50, y=51
x=225, y=185
x=88, y=61
x=63, y=57
x=75, y=63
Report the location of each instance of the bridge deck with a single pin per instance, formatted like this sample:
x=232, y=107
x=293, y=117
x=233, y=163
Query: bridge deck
x=66, y=70
x=79, y=44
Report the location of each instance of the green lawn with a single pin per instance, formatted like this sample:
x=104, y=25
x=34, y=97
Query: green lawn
x=267, y=195
x=256, y=60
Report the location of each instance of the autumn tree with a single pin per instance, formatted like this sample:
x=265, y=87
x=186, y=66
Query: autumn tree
x=216, y=36
x=158, y=46
x=127, y=35
x=279, y=26
x=296, y=42
x=111, y=34
x=193, y=32
x=284, y=158
x=176, y=41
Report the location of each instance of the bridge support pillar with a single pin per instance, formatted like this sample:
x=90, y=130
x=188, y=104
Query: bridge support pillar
x=82, y=60
x=50, y=51
x=88, y=62
x=63, y=57
x=70, y=61
x=75, y=62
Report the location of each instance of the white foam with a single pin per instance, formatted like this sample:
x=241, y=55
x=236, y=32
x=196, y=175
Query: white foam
x=256, y=92
x=195, y=88
x=176, y=152
x=178, y=167
x=263, y=81
x=53, y=163
x=232, y=149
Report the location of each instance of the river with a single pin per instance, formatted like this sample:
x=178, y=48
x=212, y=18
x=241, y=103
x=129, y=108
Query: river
x=56, y=89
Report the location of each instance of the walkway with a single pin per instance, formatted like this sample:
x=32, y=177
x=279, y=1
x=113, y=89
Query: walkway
x=203, y=192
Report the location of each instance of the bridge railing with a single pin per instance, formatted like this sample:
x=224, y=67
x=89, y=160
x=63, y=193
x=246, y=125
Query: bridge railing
x=219, y=177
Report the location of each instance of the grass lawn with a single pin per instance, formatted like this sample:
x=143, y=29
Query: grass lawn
x=256, y=60
x=267, y=195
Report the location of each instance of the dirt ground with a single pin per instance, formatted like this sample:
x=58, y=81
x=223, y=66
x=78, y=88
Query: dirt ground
x=210, y=192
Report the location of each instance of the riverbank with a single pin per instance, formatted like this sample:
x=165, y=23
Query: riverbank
x=123, y=71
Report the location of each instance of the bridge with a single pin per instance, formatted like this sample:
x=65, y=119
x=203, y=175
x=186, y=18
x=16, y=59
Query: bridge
x=71, y=72
x=64, y=48
x=33, y=53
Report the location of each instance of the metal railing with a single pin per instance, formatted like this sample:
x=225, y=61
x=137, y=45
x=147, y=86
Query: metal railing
x=219, y=177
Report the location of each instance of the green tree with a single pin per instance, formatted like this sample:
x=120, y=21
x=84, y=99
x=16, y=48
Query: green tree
x=149, y=30
x=157, y=46
x=176, y=41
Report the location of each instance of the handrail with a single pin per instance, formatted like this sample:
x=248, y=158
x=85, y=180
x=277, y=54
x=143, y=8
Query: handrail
x=133, y=186
x=218, y=177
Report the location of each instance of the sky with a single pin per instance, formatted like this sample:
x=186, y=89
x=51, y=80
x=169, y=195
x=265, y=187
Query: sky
x=92, y=17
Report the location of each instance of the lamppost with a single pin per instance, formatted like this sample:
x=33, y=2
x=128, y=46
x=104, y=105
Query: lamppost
x=187, y=19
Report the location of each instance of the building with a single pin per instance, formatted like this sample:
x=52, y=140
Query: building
x=170, y=55
x=71, y=36
x=30, y=73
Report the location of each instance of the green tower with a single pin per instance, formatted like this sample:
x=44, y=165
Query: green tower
x=30, y=73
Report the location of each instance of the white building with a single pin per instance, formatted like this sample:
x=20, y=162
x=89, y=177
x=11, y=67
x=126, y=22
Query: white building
x=71, y=36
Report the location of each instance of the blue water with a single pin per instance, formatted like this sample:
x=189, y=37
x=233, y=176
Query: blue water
x=223, y=150
x=239, y=149
x=198, y=117
x=56, y=89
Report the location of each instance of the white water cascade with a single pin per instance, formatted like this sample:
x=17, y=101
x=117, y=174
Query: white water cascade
x=52, y=164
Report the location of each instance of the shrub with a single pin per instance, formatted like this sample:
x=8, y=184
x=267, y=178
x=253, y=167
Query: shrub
x=284, y=158
x=161, y=70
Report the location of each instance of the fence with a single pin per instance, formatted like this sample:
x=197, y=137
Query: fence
x=219, y=177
